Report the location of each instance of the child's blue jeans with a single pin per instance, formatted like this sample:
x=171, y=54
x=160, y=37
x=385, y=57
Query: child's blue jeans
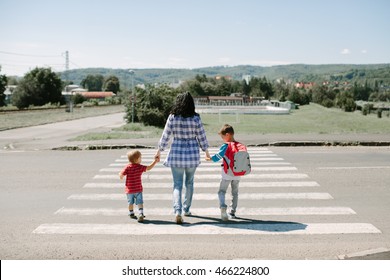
x=224, y=184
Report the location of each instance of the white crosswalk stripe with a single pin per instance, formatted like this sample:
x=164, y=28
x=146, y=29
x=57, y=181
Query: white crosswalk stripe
x=217, y=169
x=153, y=176
x=203, y=164
x=244, y=185
x=220, y=228
x=203, y=196
x=270, y=173
x=268, y=157
x=287, y=211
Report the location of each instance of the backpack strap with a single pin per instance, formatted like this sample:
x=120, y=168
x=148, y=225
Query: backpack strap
x=226, y=160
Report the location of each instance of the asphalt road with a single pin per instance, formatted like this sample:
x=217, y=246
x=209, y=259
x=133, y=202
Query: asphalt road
x=37, y=186
x=53, y=135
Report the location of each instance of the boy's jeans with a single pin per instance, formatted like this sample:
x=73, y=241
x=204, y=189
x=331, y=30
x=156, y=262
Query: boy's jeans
x=178, y=178
x=224, y=184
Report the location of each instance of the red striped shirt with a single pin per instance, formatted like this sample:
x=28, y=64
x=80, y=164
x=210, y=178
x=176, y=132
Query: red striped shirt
x=133, y=173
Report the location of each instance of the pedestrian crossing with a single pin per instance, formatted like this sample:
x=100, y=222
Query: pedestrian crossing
x=272, y=199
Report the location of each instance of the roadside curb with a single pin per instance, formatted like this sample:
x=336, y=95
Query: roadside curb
x=102, y=147
x=323, y=143
x=274, y=144
x=374, y=254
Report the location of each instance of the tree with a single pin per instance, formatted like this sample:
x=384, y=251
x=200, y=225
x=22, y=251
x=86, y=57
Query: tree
x=266, y=88
x=345, y=101
x=194, y=87
x=3, y=84
x=282, y=90
x=209, y=88
x=245, y=89
x=223, y=87
x=111, y=83
x=361, y=92
x=153, y=105
x=254, y=85
x=93, y=82
x=38, y=87
x=323, y=95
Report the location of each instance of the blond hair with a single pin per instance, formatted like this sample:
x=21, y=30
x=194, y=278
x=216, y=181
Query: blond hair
x=133, y=156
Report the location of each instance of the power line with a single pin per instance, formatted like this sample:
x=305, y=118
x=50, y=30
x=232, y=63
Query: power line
x=13, y=63
x=78, y=66
x=31, y=55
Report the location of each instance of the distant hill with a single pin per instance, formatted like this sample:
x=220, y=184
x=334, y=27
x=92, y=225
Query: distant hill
x=296, y=72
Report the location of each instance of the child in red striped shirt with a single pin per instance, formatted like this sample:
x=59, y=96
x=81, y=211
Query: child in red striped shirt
x=133, y=172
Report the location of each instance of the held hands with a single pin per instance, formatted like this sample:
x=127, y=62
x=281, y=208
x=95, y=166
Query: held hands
x=208, y=157
x=157, y=156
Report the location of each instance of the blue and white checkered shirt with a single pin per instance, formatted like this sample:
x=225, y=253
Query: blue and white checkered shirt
x=188, y=135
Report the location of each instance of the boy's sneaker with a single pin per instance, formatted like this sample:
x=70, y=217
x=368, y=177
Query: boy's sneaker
x=232, y=215
x=132, y=216
x=179, y=219
x=188, y=213
x=224, y=215
x=141, y=218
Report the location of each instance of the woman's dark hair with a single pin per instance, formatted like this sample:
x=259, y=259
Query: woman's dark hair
x=184, y=106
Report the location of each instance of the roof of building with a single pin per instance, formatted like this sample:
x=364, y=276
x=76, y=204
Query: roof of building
x=97, y=94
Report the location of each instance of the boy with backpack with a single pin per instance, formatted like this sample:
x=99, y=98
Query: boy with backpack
x=236, y=163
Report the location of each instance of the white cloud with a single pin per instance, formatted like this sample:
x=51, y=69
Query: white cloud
x=345, y=51
x=363, y=51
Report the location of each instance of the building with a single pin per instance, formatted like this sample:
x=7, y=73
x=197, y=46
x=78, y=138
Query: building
x=218, y=100
x=72, y=90
x=304, y=85
x=97, y=94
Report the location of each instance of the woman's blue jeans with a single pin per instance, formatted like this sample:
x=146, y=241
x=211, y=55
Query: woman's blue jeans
x=181, y=175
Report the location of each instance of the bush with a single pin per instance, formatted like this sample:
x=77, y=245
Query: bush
x=153, y=105
x=349, y=105
x=152, y=117
x=379, y=113
x=78, y=99
x=365, y=110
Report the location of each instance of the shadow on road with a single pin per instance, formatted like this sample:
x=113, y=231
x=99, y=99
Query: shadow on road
x=238, y=223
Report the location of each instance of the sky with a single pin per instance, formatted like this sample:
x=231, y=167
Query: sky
x=131, y=34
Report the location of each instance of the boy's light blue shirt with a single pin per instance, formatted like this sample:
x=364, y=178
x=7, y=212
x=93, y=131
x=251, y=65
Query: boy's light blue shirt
x=218, y=156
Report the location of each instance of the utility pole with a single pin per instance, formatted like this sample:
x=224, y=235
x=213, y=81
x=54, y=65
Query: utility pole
x=67, y=61
x=132, y=95
x=67, y=81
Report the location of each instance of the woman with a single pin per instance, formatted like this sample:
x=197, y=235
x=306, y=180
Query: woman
x=186, y=127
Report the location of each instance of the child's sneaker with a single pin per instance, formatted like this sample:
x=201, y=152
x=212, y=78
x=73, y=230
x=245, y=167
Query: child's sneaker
x=132, y=216
x=232, y=215
x=141, y=218
x=179, y=219
x=224, y=216
x=188, y=213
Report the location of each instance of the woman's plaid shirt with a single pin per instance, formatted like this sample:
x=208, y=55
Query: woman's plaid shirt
x=188, y=135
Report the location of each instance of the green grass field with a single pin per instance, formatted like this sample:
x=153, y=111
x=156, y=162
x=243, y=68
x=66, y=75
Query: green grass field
x=311, y=118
